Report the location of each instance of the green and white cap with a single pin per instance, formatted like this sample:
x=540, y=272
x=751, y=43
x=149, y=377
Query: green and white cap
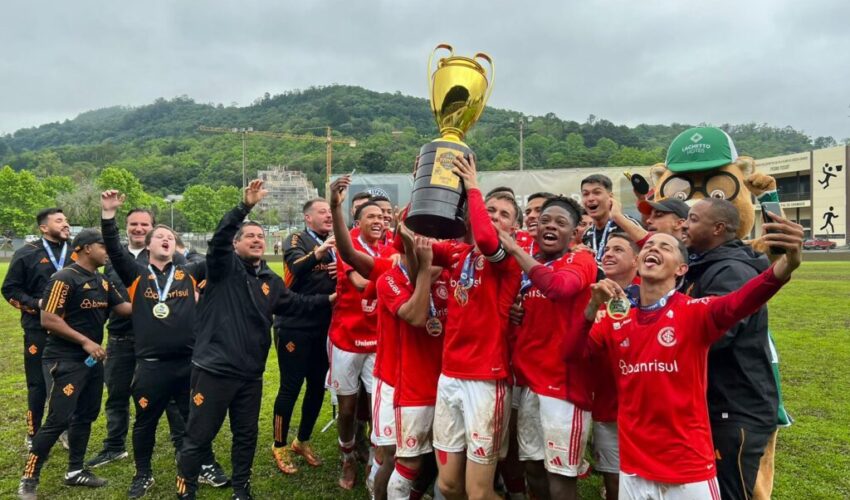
x=700, y=148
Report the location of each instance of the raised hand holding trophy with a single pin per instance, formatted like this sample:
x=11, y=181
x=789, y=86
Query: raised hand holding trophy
x=459, y=90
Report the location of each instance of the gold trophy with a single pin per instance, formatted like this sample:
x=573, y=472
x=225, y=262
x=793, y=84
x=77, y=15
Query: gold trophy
x=459, y=89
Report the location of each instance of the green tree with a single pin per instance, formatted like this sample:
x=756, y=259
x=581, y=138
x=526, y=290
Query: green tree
x=23, y=196
x=82, y=205
x=58, y=184
x=126, y=183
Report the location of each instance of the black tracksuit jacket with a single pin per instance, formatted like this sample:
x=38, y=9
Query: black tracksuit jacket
x=234, y=317
x=307, y=275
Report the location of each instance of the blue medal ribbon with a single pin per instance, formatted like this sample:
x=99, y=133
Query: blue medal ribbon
x=321, y=241
x=633, y=294
x=366, y=247
x=61, y=262
x=162, y=293
x=467, y=272
x=599, y=248
x=525, y=284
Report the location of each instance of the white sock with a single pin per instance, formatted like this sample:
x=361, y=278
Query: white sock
x=399, y=487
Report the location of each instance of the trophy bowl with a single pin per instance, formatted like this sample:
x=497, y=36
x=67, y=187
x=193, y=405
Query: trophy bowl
x=459, y=88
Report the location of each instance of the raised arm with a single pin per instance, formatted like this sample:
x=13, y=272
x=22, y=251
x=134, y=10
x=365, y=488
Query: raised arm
x=122, y=260
x=415, y=310
x=360, y=261
x=629, y=226
x=220, y=252
x=483, y=232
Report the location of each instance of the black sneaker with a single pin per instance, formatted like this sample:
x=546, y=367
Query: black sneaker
x=242, y=495
x=85, y=478
x=63, y=439
x=140, y=485
x=105, y=457
x=213, y=475
x=26, y=489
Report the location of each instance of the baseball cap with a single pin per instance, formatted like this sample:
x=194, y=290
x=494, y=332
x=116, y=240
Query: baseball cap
x=86, y=237
x=700, y=148
x=671, y=205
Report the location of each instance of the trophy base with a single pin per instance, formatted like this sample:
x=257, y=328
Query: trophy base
x=438, y=201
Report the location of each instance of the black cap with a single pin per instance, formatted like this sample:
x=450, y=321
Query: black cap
x=86, y=237
x=671, y=205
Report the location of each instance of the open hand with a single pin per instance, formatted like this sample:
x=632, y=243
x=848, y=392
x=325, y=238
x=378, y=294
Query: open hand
x=110, y=201
x=338, y=188
x=254, y=193
x=782, y=233
x=466, y=170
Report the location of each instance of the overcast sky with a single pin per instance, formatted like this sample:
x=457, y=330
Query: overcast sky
x=782, y=62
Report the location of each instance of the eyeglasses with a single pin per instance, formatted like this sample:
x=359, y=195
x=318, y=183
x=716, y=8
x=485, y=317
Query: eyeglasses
x=721, y=185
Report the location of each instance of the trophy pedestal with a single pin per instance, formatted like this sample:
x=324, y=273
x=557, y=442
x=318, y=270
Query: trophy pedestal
x=438, y=201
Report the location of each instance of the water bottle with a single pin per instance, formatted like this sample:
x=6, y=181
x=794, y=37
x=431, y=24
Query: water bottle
x=90, y=361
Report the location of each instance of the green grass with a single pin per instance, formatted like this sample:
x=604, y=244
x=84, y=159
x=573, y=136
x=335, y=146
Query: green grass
x=810, y=319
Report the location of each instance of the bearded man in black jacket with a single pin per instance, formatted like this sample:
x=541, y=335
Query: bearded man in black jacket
x=232, y=343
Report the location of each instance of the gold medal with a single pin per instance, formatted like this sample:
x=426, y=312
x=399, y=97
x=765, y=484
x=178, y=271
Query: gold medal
x=618, y=308
x=461, y=295
x=161, y=310
x=433, y=327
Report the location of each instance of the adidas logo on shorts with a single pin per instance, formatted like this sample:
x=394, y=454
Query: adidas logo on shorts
x=556, y=462
x=480, y=452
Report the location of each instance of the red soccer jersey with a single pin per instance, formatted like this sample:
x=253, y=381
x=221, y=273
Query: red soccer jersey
x=604, y=386
x=660, y=369
x=353, y=325
x=417, y=349
x=549, y=316
x=392, y=293
x=526, y=241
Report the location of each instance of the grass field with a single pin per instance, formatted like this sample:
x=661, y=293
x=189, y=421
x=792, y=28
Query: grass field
x=810, y=319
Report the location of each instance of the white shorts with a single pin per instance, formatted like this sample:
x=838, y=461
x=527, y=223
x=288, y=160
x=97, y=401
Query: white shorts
x=472, y=415
x=383, y=414
x=606, y=447
x=633, y=487
x=553, y=430
x=348, y=369
x=414, y=425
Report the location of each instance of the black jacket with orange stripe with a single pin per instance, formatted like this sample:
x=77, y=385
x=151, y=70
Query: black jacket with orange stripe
x=235, y=312
x=170, y=337
x=306, y=274
x=28, y=273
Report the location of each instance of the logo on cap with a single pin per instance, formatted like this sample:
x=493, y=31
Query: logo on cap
x=696, y=137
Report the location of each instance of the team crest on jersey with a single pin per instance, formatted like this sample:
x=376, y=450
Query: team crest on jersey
x=265, y=288
x=479, y=263
x=179, y=274
x=104, y=284
x=443, y=292
x=143, y=402
x=33, y=349
x=667, y=336
x=68, y=390
x=410, y=442
x=290, y=346
x=388, y=431
x=198, y=399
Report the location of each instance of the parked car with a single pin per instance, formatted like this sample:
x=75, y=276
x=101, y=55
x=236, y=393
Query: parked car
x=818, y=245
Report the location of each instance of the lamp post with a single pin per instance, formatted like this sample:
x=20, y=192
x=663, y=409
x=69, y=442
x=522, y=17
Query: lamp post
x=521, y=120
x=170, y=199
x=244, y=132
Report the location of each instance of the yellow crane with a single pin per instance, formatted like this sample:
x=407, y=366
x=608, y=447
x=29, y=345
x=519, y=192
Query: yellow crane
x=328, y=139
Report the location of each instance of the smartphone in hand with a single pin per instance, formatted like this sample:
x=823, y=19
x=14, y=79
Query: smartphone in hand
x=771, y=207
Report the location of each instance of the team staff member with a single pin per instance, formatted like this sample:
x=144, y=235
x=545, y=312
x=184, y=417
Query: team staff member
x=232, y=344
x=121, y=362
x=74, y=310
x=473, y=403
x=660, y=346
x=743, y=397
x=620, y=265
x=163, y=298
x=556, y=400
x=301, y=338
x=597, y=198
x=31, y=267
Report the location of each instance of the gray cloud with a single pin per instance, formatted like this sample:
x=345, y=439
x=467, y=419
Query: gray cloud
x=780, y=62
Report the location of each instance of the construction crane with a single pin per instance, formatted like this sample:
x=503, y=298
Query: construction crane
x=328, y=139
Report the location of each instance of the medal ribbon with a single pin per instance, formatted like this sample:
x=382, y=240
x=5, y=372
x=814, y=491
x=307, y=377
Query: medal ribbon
x=321, y=241
x=467, y=272
x=366, y=247
x=432, y=313
x=599, y=248
x=162, y=293
x=633, y=293
x=61, y=262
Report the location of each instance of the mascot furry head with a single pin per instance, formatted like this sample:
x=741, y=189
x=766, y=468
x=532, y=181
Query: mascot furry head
x=702, y=162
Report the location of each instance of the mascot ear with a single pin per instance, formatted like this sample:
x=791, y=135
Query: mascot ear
x=746, y=164
x=656, y=172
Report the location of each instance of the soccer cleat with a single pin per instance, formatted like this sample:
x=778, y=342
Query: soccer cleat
x=283, y=459
x=304, y=449
x=26, y=489
x=349, y=473
x=213, y=475
x=63, y=438
x=85, y=478
x=140, y=485
x=105, y=457
x=244, y=494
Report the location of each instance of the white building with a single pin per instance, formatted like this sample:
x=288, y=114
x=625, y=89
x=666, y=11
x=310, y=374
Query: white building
x=288, y=191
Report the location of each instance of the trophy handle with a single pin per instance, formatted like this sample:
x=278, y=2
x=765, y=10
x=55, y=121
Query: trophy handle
x=430, y=60
x=492, y=75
